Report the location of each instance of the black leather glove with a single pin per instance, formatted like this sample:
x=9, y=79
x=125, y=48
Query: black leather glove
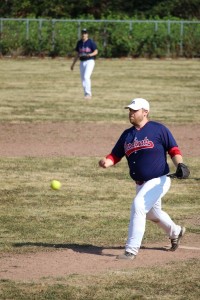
x=182, y=171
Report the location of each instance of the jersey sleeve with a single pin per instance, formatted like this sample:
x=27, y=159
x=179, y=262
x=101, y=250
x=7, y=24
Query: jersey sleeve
x=174, y=151
x=118, y=150
x=77, y=47
x=114, y=158
x=168, y=140
x=93, y=45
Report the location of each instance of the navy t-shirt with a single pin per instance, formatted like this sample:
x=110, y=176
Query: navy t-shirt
x=85, y=48
x=145, y=150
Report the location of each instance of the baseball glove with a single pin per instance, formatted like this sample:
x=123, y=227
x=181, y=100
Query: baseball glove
x=182, y=172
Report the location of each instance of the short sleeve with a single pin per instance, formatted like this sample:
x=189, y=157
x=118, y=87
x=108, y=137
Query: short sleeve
x=168, y=140
x=77, y=47
x=94, y=46
x=118, y=149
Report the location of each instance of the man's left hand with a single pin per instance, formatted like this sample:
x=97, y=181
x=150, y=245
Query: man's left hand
x=182, y=171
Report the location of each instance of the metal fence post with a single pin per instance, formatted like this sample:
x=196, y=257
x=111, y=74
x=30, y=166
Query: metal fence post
x=131, y=26
x=181, y=39
x=156, y=26
x=1, y=34
x=79, y=30
x=1, y=28
x=53, y=34
x=168, y=40
x=27, y=29
x=40, y=34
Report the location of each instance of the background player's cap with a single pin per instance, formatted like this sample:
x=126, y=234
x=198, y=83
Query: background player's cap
x=84, y=30
x=138, y=103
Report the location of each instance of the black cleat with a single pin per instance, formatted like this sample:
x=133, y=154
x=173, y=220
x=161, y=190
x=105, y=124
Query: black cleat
x=175, y=242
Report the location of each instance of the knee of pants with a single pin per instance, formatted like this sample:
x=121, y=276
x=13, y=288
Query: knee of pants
x=153, y=216
x=86, y=78
x=138, y=209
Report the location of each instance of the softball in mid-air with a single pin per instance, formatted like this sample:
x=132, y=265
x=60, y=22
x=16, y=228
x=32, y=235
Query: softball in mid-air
x=55, y=184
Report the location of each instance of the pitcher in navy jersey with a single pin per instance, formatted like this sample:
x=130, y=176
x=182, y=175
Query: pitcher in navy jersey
x=145, y=146
x=86, y=52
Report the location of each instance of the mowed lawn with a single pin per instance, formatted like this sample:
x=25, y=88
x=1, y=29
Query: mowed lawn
x=47, y=90
x=87, y=210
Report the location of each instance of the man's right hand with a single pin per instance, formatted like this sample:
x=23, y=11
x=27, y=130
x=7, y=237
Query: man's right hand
x=105, y=163
x=102, y=163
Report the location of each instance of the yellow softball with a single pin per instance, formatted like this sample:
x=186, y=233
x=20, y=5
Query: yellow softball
x=55, y=184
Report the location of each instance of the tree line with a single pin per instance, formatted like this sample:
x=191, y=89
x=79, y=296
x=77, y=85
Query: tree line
x=100, y=9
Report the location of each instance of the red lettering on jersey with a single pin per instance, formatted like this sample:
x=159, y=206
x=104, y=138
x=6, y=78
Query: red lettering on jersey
x=138, y=145
x=85, y=50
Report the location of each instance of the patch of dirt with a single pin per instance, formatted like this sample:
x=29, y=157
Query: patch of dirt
x=87, y=139
x=87, y=260
x=71, y=139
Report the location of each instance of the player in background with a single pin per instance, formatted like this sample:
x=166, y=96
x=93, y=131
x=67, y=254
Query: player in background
x=145, y=146
x=86, y=53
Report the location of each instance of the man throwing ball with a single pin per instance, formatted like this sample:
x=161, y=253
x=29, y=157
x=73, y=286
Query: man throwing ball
x=145, y=146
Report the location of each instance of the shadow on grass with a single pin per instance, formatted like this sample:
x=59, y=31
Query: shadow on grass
x=154, y=248
x=85, y=248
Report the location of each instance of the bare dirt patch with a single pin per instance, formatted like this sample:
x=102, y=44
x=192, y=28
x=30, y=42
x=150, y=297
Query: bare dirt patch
x=86, y=260
x=88, y=139
x=71, y=139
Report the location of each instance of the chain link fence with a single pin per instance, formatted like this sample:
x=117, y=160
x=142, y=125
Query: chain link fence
x=115, y=38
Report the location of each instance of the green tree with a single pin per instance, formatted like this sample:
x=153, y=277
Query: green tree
x=186, y=9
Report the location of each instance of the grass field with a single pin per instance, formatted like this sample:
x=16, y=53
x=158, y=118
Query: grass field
x=46, y=90
x=82, y=212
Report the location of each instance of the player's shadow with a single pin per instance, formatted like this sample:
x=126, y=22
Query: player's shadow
x=85, y=248
x=165, y=248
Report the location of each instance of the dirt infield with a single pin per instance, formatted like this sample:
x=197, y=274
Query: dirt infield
x=86, y=260
x=70, y=139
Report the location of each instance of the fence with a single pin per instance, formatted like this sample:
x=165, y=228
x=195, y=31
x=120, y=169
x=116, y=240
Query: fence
x=114, y=37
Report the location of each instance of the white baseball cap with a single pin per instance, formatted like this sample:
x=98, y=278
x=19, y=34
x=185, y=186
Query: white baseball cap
x=138, y=103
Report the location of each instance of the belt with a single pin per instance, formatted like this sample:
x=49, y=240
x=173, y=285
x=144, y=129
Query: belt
x=140, y=182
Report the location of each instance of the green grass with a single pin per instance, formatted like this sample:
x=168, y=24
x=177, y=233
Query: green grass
x=33, y=217
x=46, y=90
x=31, y=212
x=173, y=281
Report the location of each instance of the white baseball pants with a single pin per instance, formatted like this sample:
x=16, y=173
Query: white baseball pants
x=86, y=68
x=147, y=205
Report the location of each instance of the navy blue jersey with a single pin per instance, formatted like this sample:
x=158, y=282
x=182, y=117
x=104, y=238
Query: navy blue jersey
x=145, y=150
x=85, y=48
